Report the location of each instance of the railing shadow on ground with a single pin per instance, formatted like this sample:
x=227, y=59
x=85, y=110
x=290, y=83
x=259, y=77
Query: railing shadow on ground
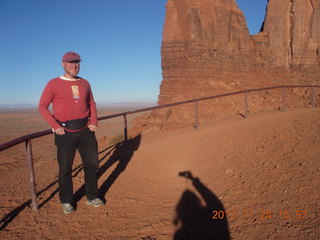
x=15, y=212
x=198, y=222
x=121, y=152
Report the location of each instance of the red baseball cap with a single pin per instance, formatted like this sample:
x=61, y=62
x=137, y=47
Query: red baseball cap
x=71, y=56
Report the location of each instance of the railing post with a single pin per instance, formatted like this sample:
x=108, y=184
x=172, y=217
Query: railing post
x=125, y=127
x=245, y=101
x=312, y=97
x=34, y=204
x=196, y=116
x=283, y=99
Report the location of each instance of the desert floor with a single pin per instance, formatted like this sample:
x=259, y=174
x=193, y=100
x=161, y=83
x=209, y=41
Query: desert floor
x=254, y=178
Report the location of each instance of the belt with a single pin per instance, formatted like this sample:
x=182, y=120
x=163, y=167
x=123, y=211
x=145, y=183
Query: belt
x=75, y=124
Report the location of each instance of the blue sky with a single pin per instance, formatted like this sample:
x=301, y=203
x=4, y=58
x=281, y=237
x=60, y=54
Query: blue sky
x=118, y=40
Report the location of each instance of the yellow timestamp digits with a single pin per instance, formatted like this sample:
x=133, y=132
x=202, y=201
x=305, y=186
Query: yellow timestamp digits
x=262, y=214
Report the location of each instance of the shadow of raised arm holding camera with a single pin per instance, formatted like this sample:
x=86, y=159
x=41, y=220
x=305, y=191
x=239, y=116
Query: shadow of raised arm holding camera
x=195, y=221
x=211, y=200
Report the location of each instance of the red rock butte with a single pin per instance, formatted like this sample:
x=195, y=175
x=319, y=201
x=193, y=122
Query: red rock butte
x=207, y=49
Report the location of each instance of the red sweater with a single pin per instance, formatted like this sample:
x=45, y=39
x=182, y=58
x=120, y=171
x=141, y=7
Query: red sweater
x=70, y=100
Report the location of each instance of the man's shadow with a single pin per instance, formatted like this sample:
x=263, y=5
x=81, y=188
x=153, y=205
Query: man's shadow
x=197, y=222
x=121, y=153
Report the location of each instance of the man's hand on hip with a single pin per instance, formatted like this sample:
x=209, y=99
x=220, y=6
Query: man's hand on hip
x=59, y=131
x=92, y=127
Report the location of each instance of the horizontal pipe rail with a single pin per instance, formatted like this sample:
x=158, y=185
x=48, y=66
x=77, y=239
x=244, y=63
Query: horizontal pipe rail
x=49, y=131
x=25, y=138
x=203, y=99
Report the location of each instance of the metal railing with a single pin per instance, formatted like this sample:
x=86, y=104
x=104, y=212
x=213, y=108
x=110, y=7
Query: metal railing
x=27, y=138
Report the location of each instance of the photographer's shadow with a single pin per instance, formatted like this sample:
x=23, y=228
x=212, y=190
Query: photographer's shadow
x=195, y=221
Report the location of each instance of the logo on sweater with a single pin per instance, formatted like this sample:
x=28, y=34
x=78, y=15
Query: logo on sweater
x=75, y=92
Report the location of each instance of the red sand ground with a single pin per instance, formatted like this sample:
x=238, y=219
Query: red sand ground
x=262, y=171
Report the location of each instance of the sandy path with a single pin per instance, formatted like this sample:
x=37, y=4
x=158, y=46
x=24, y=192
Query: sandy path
x=263, y=171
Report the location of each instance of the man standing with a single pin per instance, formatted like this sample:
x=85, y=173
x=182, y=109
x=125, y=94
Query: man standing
x=74, y=122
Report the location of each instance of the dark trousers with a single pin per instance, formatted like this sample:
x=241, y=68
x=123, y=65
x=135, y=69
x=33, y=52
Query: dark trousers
x=67, y=144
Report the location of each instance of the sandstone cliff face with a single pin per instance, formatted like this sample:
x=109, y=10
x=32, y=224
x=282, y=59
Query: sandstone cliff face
x=207, y=49
x=203, y=41
x=292, y=34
